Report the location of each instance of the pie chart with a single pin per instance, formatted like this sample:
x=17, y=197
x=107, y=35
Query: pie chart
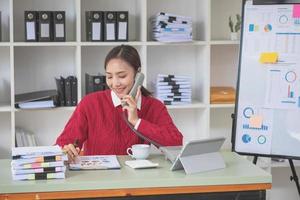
x=268, y=28
x=246, y=138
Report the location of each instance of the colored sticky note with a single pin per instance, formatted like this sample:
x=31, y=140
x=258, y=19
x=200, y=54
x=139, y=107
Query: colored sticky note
x=255, y=121
x=251, y=27
x=268, y=57
x=296, y=11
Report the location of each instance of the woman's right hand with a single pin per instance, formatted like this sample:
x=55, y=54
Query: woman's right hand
x=71, y=151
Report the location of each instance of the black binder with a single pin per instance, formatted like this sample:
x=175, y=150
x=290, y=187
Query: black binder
x=110, y=26
x=94, y=83
x=59, y=26
x=122, y=26
x=45, y=26
x=36, y=96
x=32, y=96
x=73, y=90
x=60, y=85
x=31, y=26
x=94, y=25
x=68, y=92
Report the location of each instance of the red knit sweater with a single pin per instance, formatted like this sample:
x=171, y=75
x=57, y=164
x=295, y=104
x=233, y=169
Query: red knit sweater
x=99, y=125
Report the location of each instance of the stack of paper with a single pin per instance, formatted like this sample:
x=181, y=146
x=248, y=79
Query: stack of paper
x=34, y=163
x=168, y=27
x=173, y=89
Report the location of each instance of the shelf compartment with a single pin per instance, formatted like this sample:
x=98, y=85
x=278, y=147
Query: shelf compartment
x=132, y=6
x=220, y=12
x=19, y=6
x=182, y=60
x=45, y=63
x=224, y=65
x=41, y=123
x=192, y=8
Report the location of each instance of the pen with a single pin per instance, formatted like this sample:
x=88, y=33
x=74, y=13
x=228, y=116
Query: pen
x=76, y=144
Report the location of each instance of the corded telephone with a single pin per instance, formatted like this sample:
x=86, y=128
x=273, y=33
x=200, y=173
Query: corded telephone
x=138, y=81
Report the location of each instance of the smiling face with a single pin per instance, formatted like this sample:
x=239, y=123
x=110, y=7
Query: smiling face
x=119, y=76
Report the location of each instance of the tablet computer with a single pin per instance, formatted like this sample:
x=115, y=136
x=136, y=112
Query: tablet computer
x=197, y=148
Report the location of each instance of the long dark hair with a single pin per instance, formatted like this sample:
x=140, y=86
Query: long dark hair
x=130, y=55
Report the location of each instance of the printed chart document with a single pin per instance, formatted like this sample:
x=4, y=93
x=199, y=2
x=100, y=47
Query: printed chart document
x=96, y=162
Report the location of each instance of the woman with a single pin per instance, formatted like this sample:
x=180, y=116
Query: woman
x=98, y=120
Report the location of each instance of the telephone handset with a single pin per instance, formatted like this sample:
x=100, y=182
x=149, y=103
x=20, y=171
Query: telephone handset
x=138, y=81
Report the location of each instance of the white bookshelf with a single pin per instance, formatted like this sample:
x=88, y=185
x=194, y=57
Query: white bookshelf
x=30, y=66
x=211, y=59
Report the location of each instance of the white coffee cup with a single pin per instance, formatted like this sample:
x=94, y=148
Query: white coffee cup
x=139, y=151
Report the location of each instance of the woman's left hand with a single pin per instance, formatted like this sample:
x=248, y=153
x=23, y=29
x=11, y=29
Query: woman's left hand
x=132, y=107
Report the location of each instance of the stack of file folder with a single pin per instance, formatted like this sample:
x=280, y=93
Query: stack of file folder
x=37, y=99
x=38, y=163
x=168, y=27
x=173, y=89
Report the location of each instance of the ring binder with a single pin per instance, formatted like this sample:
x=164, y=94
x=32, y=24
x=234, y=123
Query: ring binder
x=110, y=23
x=31, y=26
x=59, y=26
x=94, y=83
x=94, y=25
x=122, y=26
x=45, y=27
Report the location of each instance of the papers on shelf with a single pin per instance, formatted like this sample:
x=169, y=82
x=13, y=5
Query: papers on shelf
x=168, y=27
x=173, y=89
x=37, y=104
x=37, y=99
x=96, y=162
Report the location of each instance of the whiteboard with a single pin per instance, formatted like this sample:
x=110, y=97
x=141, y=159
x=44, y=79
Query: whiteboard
x=267, y=113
